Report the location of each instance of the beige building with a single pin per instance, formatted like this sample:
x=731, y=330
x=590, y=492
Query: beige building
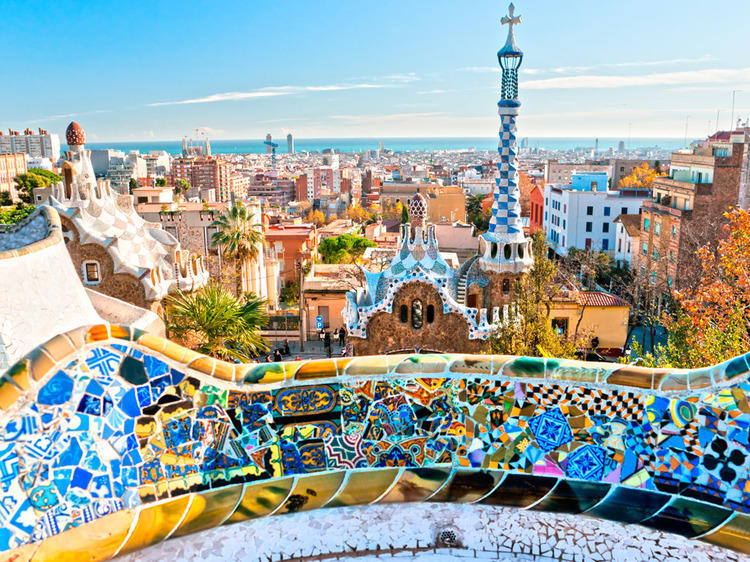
x=562, y=172
x=446, y=204
x=324, y=294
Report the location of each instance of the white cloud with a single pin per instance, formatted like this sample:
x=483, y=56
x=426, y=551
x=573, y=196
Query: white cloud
x=269, y=92
x=705, y=76
x=360, y=119
x=567, y=69
x=427, y=92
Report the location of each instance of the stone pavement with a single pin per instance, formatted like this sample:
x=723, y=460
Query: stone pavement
x=313, y=349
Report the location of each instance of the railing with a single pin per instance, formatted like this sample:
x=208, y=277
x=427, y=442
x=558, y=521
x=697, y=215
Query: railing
x=189, y=442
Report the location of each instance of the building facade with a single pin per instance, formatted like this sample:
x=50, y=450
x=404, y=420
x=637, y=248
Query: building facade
x=581, y=214
x=41, y=144
x=11, y=165
x=687, y=208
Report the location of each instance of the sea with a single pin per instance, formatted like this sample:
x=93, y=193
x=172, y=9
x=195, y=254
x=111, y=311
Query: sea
x=250, y=146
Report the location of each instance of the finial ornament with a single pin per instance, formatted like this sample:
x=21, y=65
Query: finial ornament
x=510, y=20
x=510, y=57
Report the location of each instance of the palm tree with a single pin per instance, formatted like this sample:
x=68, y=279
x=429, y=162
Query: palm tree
x=218, y=323
x=238, y=237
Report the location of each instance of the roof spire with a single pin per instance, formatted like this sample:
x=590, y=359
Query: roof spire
x=510, y=20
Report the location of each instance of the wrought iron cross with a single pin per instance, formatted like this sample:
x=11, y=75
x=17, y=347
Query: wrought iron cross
x=510, y=19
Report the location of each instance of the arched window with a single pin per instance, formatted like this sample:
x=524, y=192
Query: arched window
x=493, y=250
x=520, y=251
x=506, y=286
x=430, y=316
x=507, y=251
x=416, y=314
x=403, y=313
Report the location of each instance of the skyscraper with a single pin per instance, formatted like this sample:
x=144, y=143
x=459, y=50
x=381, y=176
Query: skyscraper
x=290, y=143
x=269, y=139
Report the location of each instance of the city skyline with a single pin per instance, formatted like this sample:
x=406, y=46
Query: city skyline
x=589, y=70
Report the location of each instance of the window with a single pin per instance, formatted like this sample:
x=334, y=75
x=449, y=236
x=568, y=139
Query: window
x=589, y=210
x=403, y=313
x=91, y=273
x=653, y=278
x=619, y=244
x=605, y=227
x=506, y=286
x=605, y=244
x=655, y=253
x=671, y=256
x=674, y=231
x=657, y=228
x=624, y=211
x=565, y=208
x=565, y=223
x=589, y=226
x=560, y=325
x=430, y=316
x=643, y=270
x=324, y=313
x=563, y=241
x=606, y=211
x=644, y=249
x=669, y=280
x=416, y=314
x=588, y=243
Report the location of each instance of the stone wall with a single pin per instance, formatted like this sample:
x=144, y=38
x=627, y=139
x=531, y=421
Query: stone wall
x=448, y=332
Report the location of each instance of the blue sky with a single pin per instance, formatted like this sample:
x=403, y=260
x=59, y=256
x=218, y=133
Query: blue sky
x=157, y=70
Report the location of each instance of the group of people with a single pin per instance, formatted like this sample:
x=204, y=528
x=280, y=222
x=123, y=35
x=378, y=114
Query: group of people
x=279, y=353
x=338, y=334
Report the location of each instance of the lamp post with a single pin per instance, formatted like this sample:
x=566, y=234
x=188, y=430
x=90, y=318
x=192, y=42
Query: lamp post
x=302, y=315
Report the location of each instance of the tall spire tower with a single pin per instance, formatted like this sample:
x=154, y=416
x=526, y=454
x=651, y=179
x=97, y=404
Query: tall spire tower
x=504, y=248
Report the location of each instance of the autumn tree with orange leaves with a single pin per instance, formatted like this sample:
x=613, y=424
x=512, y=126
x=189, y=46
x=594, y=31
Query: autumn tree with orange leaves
x=642, y=177
x=711, y=322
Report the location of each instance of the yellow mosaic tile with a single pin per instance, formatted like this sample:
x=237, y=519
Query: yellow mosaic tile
x=155, y=522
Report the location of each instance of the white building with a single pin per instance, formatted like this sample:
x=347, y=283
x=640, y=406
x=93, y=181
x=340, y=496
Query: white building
x=628, y=234
x=581, y=214
x=42, y=144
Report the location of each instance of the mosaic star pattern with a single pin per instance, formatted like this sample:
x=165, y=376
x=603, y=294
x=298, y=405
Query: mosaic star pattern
x=115, y=425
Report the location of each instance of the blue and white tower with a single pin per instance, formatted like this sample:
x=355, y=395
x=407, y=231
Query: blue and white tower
x=504, y=248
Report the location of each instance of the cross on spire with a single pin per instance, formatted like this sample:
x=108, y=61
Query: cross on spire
x=510, y=20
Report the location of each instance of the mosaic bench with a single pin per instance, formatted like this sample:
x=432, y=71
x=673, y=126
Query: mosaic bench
x=113, y=440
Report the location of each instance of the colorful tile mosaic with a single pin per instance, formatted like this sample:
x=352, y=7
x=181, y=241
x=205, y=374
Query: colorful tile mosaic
x=121, y=420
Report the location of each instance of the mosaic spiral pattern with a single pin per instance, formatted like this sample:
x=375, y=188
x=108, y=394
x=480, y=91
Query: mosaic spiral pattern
x=112, y=440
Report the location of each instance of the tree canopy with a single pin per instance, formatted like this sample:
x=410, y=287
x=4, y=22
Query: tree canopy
x=345, y=248
x=642, y=177
x=13, y=215
x=528, y=329
x=474, y=213
x=711, y=322
x=218, y=323
x=34, y=177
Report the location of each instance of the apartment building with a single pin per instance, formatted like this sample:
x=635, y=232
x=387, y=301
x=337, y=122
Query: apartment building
x=11, y=165
x=41, y=144
x=687, y=208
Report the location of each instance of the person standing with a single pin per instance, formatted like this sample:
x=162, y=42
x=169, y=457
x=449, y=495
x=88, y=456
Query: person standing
x=342, y=336
x=327, y=343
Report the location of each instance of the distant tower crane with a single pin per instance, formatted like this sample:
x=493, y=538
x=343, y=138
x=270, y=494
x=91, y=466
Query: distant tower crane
x=273, y=147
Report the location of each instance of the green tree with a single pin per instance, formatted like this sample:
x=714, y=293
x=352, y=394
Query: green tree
x=161, y=182
x=220, y=324
x=181, y=186
x=50, y=177
x=404, y=214
x=474, y=214
x=239, y=237
x=528, y=330
x=15, y=214
x=132, y=184
x=5, y=199
x=345, y=248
